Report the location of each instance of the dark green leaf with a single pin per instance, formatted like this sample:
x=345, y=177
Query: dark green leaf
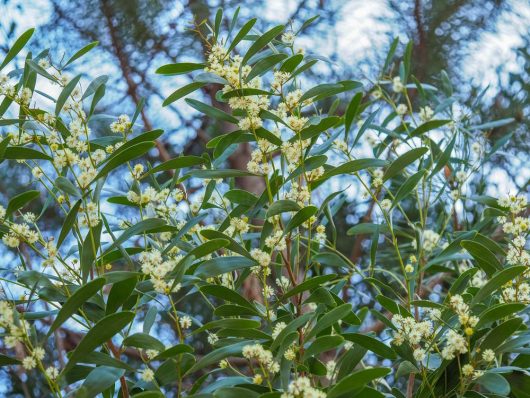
x=403, y=161
x=69, y=222
x=65, y=94
x=182, y=92
x=209, y=110
x=17, y=46
x=104, y=330
x=178, y=69
x=261, y=42
x=81, y=52
x=75, y=301
x=21, y=200
x=221, y=265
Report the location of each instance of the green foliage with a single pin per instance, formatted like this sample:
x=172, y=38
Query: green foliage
x=141, y=247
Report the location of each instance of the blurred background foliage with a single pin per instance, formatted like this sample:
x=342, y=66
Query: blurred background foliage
x=482, y=45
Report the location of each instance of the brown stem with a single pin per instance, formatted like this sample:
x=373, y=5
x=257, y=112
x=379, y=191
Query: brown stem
x=123, y=382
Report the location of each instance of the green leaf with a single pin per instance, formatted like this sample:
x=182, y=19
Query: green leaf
x=95, y=85
x=137, y=229
x=308, y=284
x=353, y=166
x=104, y=330
x=177, y=163
x=75, y=301
x=81, y=52
x=366, y=124
x=444, y=156
x=3, y=147
x=216, y=355
x=300, y=217
x=18, y=152
x=366, y=229
x=69, y=222
x=500, y=333
x=290, y=64
x=494, y=383
x=21, y=200
x=331, y=317
x=209, y=247
x=99, y=380
x=17, y=47
x=497, y=281
x=5, y=360
x=226, y=294
x=221, y=265
x=356, y=381
x=391, y=52
x=122, y=157
x=174, y=351
x=65, y=94
x=229, y=323
x=428, y=126
x=179, y=69
x=491, y=125
x=403, y=161
x=182, y=92
x=222, y=173
x=322, y=344
x=352, y=110
x=371, y=344
x=282, y=206
x=90, y=249
x=241, y=197
x=328, y=89
x=264, y=65
x=65, y=185
x=233, y=246
x=241, y=34
x=209, y=110
x=261, y=42
x=332, y=259
x=483, y=256
x=499, y=311
x=120, y=293
x=143, y=341
x=315, y=129
x=245, y=92
x=407, y=187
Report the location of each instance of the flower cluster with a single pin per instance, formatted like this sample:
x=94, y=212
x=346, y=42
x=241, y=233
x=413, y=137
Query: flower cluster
x=264, y=358
x=159, y=269
x=301, y=388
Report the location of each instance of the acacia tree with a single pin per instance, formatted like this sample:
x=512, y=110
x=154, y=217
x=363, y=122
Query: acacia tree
x=130, y=258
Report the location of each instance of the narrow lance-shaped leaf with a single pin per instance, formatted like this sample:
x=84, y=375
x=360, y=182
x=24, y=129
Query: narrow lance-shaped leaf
x=75, y=301
x=69, y=222
x=17, y=47
x=241, y=34
x=131, y=153
x=179, y=69
x=21, y=200
x=403, y=161
x=99, y=334
x=65, y=94
x=182, y=92
x=211, y=111
x=261, y=42
x=407, y=187
x=81, y=52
